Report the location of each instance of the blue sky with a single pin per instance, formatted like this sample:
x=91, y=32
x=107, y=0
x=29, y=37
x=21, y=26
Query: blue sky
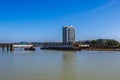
x=42, y=20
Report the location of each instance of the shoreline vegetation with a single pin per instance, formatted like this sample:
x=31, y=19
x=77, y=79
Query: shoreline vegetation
x=101, y=45
x=90, y=45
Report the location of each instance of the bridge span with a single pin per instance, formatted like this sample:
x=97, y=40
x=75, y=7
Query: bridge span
x=12, y=46
x=22, y=46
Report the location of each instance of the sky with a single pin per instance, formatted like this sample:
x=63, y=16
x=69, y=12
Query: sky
x=42, y=20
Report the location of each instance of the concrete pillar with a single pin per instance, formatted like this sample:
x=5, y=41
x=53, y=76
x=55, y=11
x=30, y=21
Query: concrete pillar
x=11, y=48
x=7, y=47
x=3, y=47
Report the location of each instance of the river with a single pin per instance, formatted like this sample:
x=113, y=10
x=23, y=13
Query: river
x=59, y=65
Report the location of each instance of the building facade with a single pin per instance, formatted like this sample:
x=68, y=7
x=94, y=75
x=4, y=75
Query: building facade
x=68, y=34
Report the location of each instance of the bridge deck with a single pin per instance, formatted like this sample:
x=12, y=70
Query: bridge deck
x=22, y=46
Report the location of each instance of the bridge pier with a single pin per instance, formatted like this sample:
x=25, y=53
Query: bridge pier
x=11, y=48
x=2, y=47
x=8, y=47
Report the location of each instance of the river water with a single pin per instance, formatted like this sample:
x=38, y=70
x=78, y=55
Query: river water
x=59, y=65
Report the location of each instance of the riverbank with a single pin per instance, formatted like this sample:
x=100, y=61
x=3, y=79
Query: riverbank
x=101, y=49
x=62, y=48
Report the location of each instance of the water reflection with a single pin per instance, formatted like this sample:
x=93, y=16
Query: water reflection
x=59, y=65
x=69, y=59
x=6, y=50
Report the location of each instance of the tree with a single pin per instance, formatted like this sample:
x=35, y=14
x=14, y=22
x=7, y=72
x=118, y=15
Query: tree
x=112, y=43
x=93, y=42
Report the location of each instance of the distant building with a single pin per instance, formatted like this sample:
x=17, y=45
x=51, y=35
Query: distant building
x=24, y=42
x=68, y=34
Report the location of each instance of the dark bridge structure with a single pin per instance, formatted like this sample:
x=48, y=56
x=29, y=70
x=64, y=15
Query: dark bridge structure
x=11, y=46
x=8, y=46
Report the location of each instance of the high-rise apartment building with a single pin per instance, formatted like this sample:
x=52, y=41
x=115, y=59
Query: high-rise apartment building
x=68, y=34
